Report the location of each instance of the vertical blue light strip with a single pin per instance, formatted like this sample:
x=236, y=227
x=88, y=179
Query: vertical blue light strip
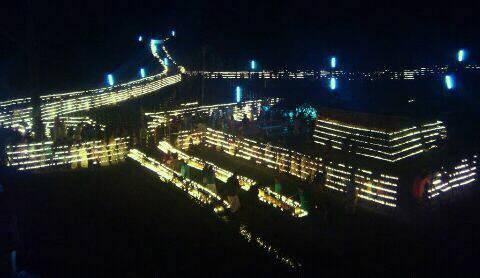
x=449, y=82
x=461, y=55
x=332, y=83
x=238, y=94
x=110, y=79
x=253, y=65
x=142, y=73
x=333, y=62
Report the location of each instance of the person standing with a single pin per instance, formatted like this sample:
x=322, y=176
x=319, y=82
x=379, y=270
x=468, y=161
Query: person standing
x=232, y=187
x=184, y=169
x=352, y=196
x=278, y=185
x=211, y=179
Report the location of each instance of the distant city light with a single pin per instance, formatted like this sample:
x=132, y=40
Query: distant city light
x=461, y=55
x=165, y=61
x=332, y=83
x=110, y=79
x=449, y=81
x=238, y=94
x=253, y=65
x=140, y=38
x=173, y=33
x=333, y=62
x=142, y=73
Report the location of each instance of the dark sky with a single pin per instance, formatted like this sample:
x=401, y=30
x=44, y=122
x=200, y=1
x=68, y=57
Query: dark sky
x=74, y=43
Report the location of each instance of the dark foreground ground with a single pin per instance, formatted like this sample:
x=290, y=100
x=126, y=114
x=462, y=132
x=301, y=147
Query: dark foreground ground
x=121, y=220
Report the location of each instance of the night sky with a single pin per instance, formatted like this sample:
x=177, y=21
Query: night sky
x=74, y=43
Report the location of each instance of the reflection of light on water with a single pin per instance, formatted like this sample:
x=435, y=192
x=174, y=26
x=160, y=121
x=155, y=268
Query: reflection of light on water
x=272, y=251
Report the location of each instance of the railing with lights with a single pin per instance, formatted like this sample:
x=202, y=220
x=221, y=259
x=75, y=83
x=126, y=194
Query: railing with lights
x=251, y=109
x=379, y=144
x=71, y=122
x=197, y=191
x=448, y=179
x=197, y=163
x=379, y=188
x=16, y=114
x=281, y=202
x=266, y=195
x=66, y=104
x=430, y=72
x=46, y=154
